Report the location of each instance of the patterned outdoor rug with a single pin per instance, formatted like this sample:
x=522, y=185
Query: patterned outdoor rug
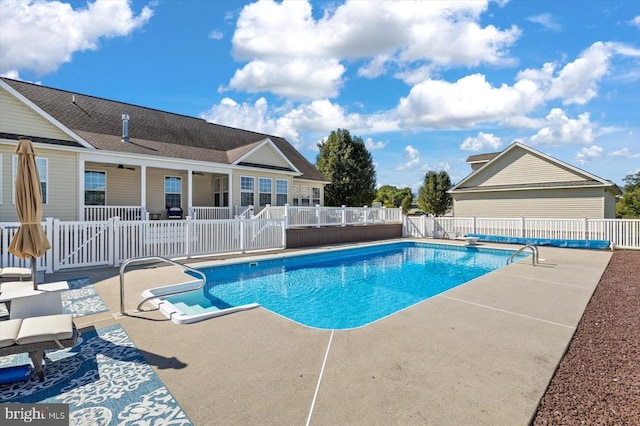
x=81, y=299
x=104, y=379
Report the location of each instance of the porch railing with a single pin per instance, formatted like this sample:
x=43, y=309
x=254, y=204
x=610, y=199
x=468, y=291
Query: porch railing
x=99, y=213
x=210, y=213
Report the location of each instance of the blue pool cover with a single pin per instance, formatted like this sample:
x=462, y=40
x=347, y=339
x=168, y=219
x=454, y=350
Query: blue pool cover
x=587, y=244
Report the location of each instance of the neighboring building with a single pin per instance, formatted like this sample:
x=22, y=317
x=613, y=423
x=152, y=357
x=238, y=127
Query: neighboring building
x=521, y=181
x=99, y=157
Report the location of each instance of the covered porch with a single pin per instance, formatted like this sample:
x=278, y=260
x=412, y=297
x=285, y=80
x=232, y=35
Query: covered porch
x=146, y=190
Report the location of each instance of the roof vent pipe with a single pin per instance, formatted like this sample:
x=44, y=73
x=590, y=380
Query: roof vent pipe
x=125, y=128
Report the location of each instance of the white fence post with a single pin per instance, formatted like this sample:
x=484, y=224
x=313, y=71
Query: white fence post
x=585, y=228
x=50, y=237
x=473, y=225
x=242, y=234
x=522, y=225
x=114, y=241
x=344, y=215
x=56, y=245
x=317, y=215
x=365, y=210
x=286, y=216
x=187, y=237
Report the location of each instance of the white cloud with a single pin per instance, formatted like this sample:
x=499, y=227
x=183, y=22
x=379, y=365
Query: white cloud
x=624, y=153
x=412, y=157
x=254, y=116
x=577, y=82
x=294, y=79
x=42, y=35
x=562, y=130
x=546, y=20
x=372, y=146
x=636, y=21
x=216, y=35
x=464, y=103
x=306, y=60
x=587, y=154
x=482, y=142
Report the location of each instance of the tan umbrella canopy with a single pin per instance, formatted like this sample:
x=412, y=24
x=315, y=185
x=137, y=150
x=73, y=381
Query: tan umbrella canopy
x=30, y=241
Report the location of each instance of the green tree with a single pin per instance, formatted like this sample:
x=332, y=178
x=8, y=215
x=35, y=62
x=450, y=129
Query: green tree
x=390, y=196
x=347, y=164
x=433, y=196
x=628, y=206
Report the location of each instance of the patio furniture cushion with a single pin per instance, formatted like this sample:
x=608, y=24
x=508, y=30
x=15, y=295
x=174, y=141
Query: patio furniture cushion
x=45, y=328
x=14, y=272
x=14, y=285
x=9, y=332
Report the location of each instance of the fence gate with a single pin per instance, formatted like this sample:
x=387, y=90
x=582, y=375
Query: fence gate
x=82, y=244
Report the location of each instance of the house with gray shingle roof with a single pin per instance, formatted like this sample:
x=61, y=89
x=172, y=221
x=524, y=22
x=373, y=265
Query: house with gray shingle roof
x=521, y=181
x=98, y=156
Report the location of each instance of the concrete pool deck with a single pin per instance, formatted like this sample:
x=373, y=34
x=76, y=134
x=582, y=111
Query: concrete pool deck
x=481, y=353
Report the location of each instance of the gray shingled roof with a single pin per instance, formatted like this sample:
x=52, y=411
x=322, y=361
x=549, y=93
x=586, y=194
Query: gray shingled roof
x=151, y=131
x=482, y=157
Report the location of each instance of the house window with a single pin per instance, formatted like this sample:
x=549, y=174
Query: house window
x=265, y=191
x=296, y=195
x=282, y=189
x=172, y=191
x=305, y=196
x=315, y=196
x=225, y=191
x=43, y=170
x=95, y=188
x=247, y=188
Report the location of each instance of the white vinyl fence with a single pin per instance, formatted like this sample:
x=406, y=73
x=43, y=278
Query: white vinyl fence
x=111, y=242
x=623, y=233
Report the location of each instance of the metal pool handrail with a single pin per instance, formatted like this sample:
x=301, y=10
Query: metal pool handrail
x=534, y=251
x=146, y=259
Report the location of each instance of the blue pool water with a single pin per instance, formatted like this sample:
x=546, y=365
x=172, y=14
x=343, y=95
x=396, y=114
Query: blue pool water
x=344, y=288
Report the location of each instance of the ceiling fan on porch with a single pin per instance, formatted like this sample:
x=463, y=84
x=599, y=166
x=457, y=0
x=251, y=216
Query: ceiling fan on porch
x=123, y=167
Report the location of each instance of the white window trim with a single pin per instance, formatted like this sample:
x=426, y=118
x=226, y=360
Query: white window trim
x=260, y=190
x=106, y=203
x=253, y=179
x=14, y=173
x=286, y=193
x=164, y=182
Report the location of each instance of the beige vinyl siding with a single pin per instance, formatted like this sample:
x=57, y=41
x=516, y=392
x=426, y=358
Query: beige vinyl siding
x=609, y=205
x=155, y=189
x=522, y=167
x=266, y=155
x=554, y=203
x=123, y=186
x=17, y=118
x=202, y=191
x=62, y=184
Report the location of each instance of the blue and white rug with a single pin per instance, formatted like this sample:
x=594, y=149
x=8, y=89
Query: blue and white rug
x=81, y=299
x=104, y=379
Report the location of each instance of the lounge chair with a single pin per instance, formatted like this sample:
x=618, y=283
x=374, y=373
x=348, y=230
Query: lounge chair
x=14, y=272
x=37, y=334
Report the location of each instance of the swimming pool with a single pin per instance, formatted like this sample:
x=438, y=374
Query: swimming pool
x=343, y=288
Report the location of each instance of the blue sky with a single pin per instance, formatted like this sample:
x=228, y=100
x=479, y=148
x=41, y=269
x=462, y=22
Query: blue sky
x=424, y=84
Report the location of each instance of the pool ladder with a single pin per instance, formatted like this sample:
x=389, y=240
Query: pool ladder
x=156, y=258
x=534, y=252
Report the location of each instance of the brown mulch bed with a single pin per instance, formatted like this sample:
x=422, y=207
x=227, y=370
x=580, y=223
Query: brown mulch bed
x=598, y=379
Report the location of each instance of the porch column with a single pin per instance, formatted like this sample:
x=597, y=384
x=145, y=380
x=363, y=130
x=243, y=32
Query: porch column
x=143, y=187
x=189, y=191
x=81, y=164
x=230, y=196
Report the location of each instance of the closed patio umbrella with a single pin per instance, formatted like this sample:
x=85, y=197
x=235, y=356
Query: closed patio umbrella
x=30, y=241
